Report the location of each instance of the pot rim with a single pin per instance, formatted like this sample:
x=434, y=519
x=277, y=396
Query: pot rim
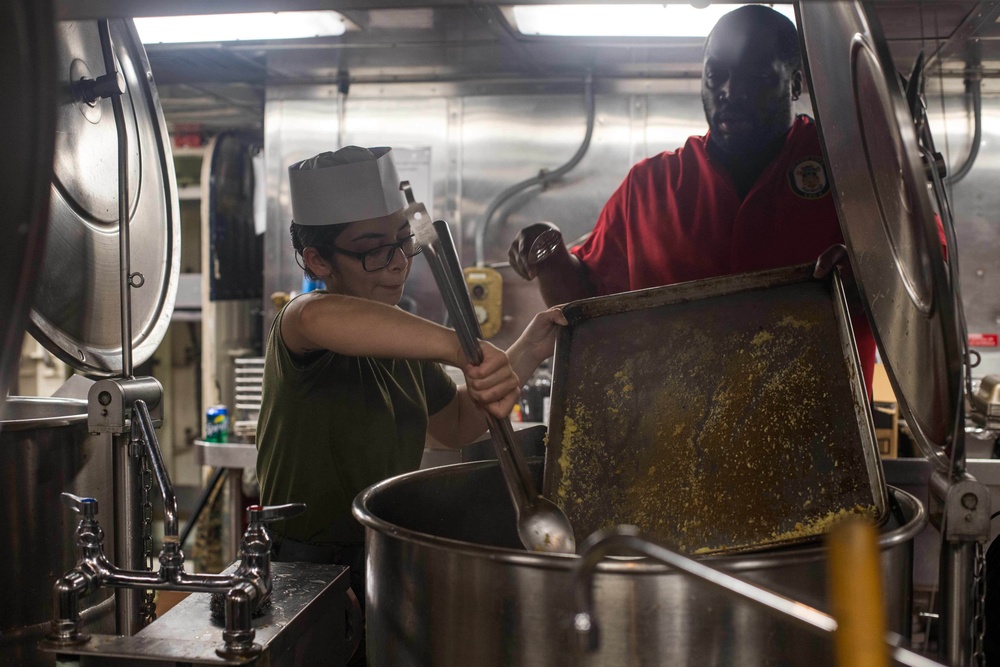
x=553, y=561
x=69, y=418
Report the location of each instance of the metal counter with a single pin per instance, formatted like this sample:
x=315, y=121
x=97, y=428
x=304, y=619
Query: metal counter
x=304, y=625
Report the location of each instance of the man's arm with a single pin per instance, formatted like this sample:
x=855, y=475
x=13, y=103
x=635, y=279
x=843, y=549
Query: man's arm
x=562, y=277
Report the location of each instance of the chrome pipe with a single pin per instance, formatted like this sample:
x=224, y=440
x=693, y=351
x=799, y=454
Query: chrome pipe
x=239, y=633
x=956, y=574
x=544, y=177
x=107, y=49
x=247, y=588
x=144, y=434
x=128, y=544
x=66, y=594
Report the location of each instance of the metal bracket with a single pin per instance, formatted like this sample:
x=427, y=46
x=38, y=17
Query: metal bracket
x=960, y=507
x=109, y=403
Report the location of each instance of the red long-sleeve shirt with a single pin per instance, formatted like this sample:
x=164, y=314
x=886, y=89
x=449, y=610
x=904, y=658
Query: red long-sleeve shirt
x=678, y=217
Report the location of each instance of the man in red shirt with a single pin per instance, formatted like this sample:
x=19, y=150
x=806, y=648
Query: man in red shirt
x=752, y=194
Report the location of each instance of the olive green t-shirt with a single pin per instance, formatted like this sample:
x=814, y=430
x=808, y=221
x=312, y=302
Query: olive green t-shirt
x=331, y=425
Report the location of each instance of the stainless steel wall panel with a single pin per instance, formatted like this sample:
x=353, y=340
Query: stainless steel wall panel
x=293, y=130
x=485, y=135
x=508, y=139
x=669, y=120
x=410, y=126
x=975, y=201
x=296, y=129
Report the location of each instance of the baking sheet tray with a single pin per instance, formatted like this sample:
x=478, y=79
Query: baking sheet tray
x=719, y=415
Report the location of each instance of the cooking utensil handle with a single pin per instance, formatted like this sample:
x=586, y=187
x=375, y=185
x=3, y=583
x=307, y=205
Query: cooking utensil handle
x=512, y=462
x=468, y=333
x=443, y=258
x=855, y=592
x=459, y=304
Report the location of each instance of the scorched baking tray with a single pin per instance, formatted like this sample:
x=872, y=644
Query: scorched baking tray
x=719, y=415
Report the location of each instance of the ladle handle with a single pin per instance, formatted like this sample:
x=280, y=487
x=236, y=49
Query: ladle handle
x=512, y=464
x=439, y=249
x=855, y=593
x=442, y=251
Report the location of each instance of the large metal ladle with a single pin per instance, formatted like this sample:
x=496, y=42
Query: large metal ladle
x=541, y=524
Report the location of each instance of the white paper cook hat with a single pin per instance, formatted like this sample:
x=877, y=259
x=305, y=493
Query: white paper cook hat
x=347, y=185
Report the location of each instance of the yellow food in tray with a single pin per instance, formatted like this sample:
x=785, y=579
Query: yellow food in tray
x=712, y=430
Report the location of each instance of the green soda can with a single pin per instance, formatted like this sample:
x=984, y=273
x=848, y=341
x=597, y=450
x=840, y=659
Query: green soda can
x=217, y=424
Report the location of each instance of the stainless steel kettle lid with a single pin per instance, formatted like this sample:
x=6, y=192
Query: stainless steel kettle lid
x=27, y=128
x=880, y=187
x=76, y=312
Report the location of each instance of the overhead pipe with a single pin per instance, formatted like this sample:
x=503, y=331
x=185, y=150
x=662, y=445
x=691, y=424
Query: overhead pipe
x=343, y=87
x=544, y=177
x=973, y=89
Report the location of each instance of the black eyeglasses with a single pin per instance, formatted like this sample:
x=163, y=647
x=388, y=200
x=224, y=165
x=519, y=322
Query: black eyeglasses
x=379, y=258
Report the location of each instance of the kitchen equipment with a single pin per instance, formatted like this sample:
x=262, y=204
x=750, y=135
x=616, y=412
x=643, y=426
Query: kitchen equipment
x=540, y=523
x=45, y=450
x=451, y=586
x=883, y=168
x=529, y=438
x=76, y=313
x=486, y=291
x=95, y=289
x=734, y=419
x=873, y=154
x=544, y=245
x=248, y=379
x=307, y=622
x=27, y=125
x=855, y=585
x=985, y=403
x=628, y=541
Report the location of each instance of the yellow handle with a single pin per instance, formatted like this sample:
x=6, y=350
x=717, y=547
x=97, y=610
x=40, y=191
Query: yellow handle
x=855, y=588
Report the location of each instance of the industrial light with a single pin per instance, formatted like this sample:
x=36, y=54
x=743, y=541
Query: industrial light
x=663, y=20
x=239, y=27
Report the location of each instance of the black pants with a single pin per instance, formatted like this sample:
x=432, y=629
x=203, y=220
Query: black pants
x=348, y=555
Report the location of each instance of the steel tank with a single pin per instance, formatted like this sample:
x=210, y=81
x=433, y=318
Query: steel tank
x=449, y=584
x=45, y=449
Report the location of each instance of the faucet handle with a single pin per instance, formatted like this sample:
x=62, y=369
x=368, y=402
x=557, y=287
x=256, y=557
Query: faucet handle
x=264, y=514
x=85, y=506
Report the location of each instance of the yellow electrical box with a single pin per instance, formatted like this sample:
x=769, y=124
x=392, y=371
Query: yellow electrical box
x=486, y=290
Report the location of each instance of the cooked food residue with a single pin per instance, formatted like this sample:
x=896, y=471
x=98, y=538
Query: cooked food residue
x=713, y=429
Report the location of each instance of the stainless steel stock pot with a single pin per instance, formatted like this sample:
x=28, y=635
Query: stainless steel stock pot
x=449, y=584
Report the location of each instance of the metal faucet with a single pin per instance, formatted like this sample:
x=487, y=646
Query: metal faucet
x=247, y=589
x=627, y=539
